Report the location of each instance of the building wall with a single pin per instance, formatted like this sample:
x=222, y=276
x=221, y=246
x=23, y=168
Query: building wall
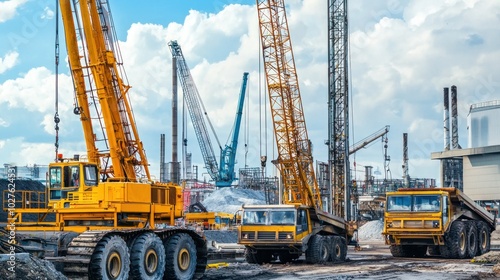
x=482, y=176
x=483, y=124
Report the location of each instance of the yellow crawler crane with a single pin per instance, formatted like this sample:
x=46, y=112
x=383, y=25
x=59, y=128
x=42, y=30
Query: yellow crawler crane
x=111, y=220
x=299, y=225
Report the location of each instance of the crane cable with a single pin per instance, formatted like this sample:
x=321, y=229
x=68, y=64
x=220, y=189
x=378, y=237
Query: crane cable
x=56, y=115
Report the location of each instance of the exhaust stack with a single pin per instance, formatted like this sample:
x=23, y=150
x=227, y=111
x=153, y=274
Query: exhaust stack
x=446, y=119
x=406, y=177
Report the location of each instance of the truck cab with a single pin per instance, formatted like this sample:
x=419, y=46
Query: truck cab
x=270, y=231
x=70, y=176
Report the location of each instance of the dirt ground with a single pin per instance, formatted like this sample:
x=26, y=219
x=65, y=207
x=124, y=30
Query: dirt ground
x=374, y=261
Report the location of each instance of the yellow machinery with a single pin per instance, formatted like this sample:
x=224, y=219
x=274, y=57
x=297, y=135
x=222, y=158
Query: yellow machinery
x=300, y=225
x=209, y=220
x=441, y=221
x=111, y=220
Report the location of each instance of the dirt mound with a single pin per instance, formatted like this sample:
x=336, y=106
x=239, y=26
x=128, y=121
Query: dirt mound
x=27, y=267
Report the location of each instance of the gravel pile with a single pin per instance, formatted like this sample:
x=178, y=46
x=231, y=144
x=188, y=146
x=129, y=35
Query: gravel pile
x=229, y=200
x=372, y=230
x=28, y=267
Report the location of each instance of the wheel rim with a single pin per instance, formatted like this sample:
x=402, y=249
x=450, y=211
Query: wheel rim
x=462, y=241
x=483, y=241
x=114, y=265
x=324, y=252
x=184, y=259
x=337, y=251
x=151, y=261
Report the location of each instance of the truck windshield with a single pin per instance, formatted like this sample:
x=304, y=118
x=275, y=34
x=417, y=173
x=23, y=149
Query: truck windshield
x=414, y=203
x=269, y=217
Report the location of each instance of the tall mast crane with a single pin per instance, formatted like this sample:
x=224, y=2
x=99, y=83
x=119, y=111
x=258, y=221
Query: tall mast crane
x=223, y=175
x=121, y=224
x=338, y=108
x=299, y=225
x=228, y=154
x=98, y=80
x=295, y=161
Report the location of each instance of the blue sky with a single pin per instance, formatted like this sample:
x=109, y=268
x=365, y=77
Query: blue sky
x=402, y=55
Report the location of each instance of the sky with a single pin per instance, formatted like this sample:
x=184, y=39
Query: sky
x=402, y=54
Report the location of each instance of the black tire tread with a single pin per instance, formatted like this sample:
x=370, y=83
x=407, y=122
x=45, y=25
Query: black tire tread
x=98, y=266
x=138, y=249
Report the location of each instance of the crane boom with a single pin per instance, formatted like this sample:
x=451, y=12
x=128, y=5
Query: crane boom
x=367, y=140
x=228, y=154
x=100, y=78
x=191, y=96
x=295, y=160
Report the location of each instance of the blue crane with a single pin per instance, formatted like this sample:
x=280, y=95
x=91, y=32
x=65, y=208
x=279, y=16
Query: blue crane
x=223, y=175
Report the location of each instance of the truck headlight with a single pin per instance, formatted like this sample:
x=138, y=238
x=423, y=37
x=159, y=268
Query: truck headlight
x=435, y=224
x=289, y=236
x=389, y=224
x=245, y=236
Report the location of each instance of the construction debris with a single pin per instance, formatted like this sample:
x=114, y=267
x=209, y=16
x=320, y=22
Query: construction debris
x=26, y=267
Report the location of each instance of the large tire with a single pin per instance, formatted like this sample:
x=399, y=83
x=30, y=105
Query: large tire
x=456, y=241
x=249, y=256
x=484, y=238
x=110, y=260
x=339, y=250
x=180, y=261
x=318, y=250
x=398, y=251
x=147, y=258
x=472, y=242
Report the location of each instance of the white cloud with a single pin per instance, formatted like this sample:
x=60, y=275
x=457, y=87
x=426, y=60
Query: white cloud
x=402, y=55
x=3, y=123
x=35, y=91
x=8, y=9
x=8, y=61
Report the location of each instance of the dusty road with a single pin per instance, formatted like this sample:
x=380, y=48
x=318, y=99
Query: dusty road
x=374, y=261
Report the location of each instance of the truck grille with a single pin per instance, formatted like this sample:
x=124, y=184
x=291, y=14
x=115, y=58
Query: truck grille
x=266, y=235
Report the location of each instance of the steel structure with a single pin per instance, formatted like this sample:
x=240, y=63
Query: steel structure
x=369, y=139
x=338, y=108
x=295, y=161
x=224, y=174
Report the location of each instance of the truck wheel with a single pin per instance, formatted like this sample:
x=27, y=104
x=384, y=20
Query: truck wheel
x=318, y=250
x=249, y=256
x=339, y=251
x=147, y=257
x=180, y=261
x=398, y=251
x=471, y=239
x=110, y=259
x=484, y=239
x=456, y=240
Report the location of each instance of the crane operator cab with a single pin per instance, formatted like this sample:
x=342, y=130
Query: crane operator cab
x=68, y=176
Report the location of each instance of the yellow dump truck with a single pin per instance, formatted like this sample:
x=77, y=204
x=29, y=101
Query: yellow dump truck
x=437, y=221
